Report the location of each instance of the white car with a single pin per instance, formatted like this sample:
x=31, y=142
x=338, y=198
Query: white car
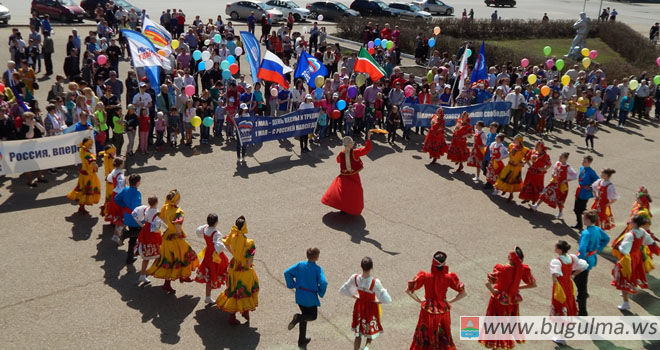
x=5, y=16
x=288, y=6
x=410, y=11
x=435, y=7
x=242, y=9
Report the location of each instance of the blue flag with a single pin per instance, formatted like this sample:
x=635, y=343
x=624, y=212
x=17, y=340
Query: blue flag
x=309, y=68
x=480, y=71
x=252, y=53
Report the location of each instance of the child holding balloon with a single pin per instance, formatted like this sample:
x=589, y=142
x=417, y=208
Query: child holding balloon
x=188, y=113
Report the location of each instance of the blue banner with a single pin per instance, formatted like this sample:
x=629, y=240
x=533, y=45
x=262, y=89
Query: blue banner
x=420, y=115
x=255, y=129
x=252, y=53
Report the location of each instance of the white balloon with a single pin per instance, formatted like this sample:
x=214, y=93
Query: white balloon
x=208, y=65
x=238, y=51
x=206, y=55
x=304, y=29
x=320, y=17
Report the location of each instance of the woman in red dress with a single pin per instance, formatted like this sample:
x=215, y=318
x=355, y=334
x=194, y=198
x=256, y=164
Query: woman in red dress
x=433, y=331
x=345, y=192
x=556, y=192
x=504, y=286
x=434, y=142
x=458, y=149
x=604, y=196
x=478, y=149
x=213, y=269
x=539, y=163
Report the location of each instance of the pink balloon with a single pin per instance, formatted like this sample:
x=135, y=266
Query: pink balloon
x=189, y=90
x=408, y=91
x=593, y=54
x=273, y=92
x=524, y=62
x=102, y=59
x=549, y=63
x=657, y=60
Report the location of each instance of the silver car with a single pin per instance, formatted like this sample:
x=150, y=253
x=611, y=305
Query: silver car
x=5, y=16
x=435, y=7
x=242, y=9
x=288, y=6
x=410, y=11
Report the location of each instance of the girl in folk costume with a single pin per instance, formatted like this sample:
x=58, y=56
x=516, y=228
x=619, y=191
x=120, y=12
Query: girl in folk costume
x=504, y=286
x=149, y=239
x=539, y=163
x=478, y=149
x=557, y=190
x=433, y=331
x=498, y=153
x=115, y=215
x=630, y=271
x=510, y=179
x=213, y=269
x=242, y=292
x=368, y=293
x=177, y=259
x=562, y=269
x=434, y=142
x=345, y=193
x=88, y=188
x=604, y=196
x=108, y=155
x=458, y=149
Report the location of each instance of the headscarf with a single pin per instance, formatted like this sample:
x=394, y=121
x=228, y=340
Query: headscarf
x=347, y=141
x=170, y=203
x=86, y=144
x=516, y=259
x=110, y=151
x=643, y=197
x=439, y=259
x=518, y=137
x=543, y=148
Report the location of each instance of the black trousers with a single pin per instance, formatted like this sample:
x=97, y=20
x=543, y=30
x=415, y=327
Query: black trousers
x=48, y=62
x=582, y=295
x=304, y=141
x=306, y=314
x=578, y=208
x=118, y=141
x=132, y=234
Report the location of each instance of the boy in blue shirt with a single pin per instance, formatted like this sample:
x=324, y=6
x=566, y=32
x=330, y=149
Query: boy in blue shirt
x=309, y=281
x=492, y=132
x=586, y=176
x=128, y=199
x=592, y=241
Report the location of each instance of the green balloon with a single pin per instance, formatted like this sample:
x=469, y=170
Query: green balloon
x=559, y=64
x=547, y=50
x=656, y=80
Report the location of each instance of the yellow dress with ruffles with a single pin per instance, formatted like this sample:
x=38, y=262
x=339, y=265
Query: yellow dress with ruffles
x=88, y=188
x=242, y=292
x=510, y=179
x=108, y=158
x=177, y=259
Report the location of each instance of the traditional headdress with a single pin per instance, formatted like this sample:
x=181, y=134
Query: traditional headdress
x=540, y=143
x=643, y=196
x=439, y=259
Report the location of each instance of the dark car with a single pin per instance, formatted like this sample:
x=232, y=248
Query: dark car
x=331, y=11
x=373, y=8
x=90, y=5
x=59, y=10
x=500, y=3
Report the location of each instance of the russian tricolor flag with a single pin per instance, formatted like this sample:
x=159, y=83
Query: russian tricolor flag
x=273, y=69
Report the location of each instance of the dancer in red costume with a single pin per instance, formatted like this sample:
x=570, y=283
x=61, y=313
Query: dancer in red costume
x=345, y=192
x=458, y=149
x=504, y=286
x=604, y=196
x=539, y=163
x=433, y=331
x=434, y=142
x=478, y=149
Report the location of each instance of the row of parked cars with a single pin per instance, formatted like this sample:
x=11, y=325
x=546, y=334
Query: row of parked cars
x=333, y=11
x=72, y=10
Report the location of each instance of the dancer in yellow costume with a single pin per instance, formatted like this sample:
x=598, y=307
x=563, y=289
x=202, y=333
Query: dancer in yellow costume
x=88, y=189
x=242, y=292
x=177, y=259
x=510, y=179
x=108, y=155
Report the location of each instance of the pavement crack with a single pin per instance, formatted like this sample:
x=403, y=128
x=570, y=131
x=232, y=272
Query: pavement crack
x=65, y=290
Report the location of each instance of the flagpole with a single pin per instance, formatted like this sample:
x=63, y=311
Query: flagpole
x=456, y=80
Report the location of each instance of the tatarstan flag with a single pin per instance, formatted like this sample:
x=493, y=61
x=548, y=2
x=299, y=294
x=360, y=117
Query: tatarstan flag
x=366, y=64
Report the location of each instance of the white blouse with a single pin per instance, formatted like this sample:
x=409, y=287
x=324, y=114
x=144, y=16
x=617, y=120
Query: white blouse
x=611, y=192
x=628, y=238
x=579, y=265
x=206, y=230
x=481, y=134
x=357, y=282
x=121, y=180
x=148, y=215
x=503, y=151
x=571, y=174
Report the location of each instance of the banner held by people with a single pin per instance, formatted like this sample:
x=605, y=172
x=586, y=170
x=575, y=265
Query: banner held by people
x=256, y=129
x=420, y=115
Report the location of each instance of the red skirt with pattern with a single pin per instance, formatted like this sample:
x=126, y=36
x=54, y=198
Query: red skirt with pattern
x=496, y=308
x=554, y=194
x=458, y=150
x=366, y=319
x=212, y=272
x=532, y=186
x=433, y=332
x=434, y=144
x=115, y=215
x=148, y=243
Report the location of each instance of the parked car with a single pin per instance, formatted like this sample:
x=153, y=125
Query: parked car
x=410, y=11
x=372, y=8
x=90, y=5
x=500, y=3
x=436, y=7
x=60, y=10
x=5, y=16
x=288, y=6
x=241, y=10
x=331, y=11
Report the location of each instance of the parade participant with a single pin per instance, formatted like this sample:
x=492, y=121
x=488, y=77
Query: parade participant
x=592, y=240
x=510, y=179
x=490, y=138
x=114, y=214
x=213, y=269
x=150, y=238
x=641, y=206
x=554, y=194
x=108, y=155
x=458, y=151
x=504, y=286
x=562, y=269
x=497, y=153
x=434, y=142
x=345, y=193
x=604, y=196
x=369, y=294
x=308, y=279
x=88, y=188
x=629, y=272
x=242, y=291
x=127, y=200
x=478, y=149
x=539, y=163
x=433, y=329
x=586, y=176
x=177, y=259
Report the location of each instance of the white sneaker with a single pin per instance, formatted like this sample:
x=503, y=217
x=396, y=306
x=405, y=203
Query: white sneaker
x=624, y=306
x=558, y=341
x=495, y=192
x=209, y=300
x=534, y=206
x=558, y=216
x=143, y=279
x=475, y=178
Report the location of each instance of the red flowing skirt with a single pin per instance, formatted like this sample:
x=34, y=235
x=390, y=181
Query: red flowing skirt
x=532, y=186
x=495, y=308
x=434, y=144
x=553, y=195
x=476, y=157
x=569, y=306
x=345, y=194
x=458, y=150
x=493, y=170
x=366, y=319
x=637, y=275
x=433, y=332
x=148, y=243
x=114, y=214
x=606, y=219
x=212, y=272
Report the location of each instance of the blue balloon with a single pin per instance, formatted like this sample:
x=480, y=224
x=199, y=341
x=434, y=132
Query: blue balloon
x=231, y=59
x=431, y=42
x=318, y=93
x=383, y=43
x=217, y=38
x=201, y=66
x=231, y=46
x=197, y=55
x=377, y=42
x=226, y=74
x=341, y=104
x=225, y=65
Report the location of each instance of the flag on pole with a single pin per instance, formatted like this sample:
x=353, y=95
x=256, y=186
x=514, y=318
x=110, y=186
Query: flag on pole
x=273, y=69
x=366, y=64
x=252, y=53
x=309, y=67
x=480, y=71
x=463, y=69
x=157, y=34
x=144, y=54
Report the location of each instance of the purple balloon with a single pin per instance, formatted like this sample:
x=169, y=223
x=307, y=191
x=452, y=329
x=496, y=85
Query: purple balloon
x=370, y=44
x=352, y=91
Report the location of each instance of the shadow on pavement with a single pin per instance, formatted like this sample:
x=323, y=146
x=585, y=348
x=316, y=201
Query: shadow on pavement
x=354, y=226
x=215, y=333
x=81, y=230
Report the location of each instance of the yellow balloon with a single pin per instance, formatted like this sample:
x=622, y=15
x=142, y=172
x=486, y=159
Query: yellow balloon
x=565, y=79
x=196, y=121
x=633, y=84
x=586, y=62
x=436, y=30
x=175, y=44
x=360, y=79
x=319, y=81
x=532, y=78
x=585, y=52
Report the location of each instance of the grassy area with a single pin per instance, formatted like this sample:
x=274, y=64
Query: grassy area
x=559, y=48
